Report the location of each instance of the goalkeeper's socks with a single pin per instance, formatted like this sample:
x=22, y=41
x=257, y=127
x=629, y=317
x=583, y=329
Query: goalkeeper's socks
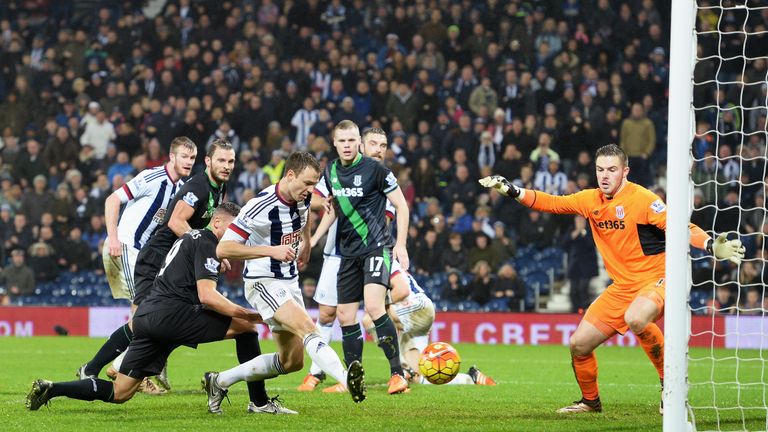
x=87, y=389
x=585, y=368
x=387, y=341
x=352, y=343
x=116, y=344
x=652, y=341
x=248, y=348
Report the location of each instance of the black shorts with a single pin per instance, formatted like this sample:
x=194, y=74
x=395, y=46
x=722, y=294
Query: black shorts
x=148, y=264
x=355, y=273
x=157, y=333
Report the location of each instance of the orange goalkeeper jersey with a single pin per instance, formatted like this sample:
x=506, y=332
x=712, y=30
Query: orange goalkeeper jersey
x=629, y=229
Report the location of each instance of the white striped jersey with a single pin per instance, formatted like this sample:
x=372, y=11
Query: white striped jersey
x=268, y=220
x=417, y=299
x=147, y=196
x=332, y=241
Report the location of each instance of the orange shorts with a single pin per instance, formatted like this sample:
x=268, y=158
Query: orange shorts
x=607, y=311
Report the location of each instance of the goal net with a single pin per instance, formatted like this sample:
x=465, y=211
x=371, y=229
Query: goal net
x=726, y=381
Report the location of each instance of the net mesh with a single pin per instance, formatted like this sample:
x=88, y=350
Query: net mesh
x=727, y=381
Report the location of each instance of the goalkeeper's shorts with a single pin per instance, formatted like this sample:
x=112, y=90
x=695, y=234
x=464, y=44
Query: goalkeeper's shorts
x=607, y=311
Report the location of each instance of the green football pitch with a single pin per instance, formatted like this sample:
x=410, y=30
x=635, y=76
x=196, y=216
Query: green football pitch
x=533, y=382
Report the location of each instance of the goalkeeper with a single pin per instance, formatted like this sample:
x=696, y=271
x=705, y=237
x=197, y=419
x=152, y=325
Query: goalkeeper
x=628, y=222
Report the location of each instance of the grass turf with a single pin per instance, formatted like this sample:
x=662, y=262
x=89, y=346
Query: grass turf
x=533, y=382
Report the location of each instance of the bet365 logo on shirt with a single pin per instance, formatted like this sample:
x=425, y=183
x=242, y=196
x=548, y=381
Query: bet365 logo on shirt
x=349, y=192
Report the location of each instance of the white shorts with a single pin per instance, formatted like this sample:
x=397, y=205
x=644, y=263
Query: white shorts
x=416, y=316
x=326, y=293
x=119, y=271
x=266, y=295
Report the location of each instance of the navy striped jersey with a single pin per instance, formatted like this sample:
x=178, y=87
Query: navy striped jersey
x=199, y=193
x=147, y=197
x=360, y=197
x=269, y=220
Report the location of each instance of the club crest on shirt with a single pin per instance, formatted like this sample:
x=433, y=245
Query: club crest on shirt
x=211, y=265
x=358, y=180
x=658, y=206
x=620, y=212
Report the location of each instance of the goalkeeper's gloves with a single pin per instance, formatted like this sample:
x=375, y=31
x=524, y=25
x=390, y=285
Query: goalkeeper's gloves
x=722, y=248
x=504, y=186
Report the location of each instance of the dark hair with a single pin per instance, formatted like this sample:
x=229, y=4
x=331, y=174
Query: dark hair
x=300, y=160
x=182, y=141
x=229, y=207
x=218, y=143
x=612, y=150
x=373, y=131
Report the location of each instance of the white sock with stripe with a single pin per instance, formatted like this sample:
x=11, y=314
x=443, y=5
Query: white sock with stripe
x=325, y=331
x=325, y=357
x=262, y=367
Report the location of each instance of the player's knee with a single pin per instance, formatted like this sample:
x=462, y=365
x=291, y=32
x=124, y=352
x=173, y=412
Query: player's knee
x=293, y=363
x=122, y=396
x=578, y=346
x=375, y=310
x=636, y=322
x=345, y=317
x=326, y=316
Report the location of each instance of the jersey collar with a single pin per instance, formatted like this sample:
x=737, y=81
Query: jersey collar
x=211, y=182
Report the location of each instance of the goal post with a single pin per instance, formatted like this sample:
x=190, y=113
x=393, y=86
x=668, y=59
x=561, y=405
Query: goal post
x=680, y=136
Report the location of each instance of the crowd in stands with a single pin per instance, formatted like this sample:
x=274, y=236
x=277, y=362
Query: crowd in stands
x=526, y=89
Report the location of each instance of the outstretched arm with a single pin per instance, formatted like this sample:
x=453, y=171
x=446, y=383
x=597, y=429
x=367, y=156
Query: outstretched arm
x=537, y=200
x=721, y=247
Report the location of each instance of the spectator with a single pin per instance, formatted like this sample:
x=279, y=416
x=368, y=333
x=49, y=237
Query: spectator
x=552, y=181
x=308, y=288
x=638, y=140
x=462, y=188
x=509, y=286
x=38, y=200
x=543, y=153
x=81, y=255
x=155, y=157
x=455, y=290
x=753, y=304
x=122, y=167
x=428, y=256
x=536, y=231
x=62, y=208
x=303, y=120
x=483, y=252
x=17, y=278
x=61, y=151
x=403, y=106
x=20, y=234
x=723, y=302
x=455, y=256
x=30, y=164
x=482, y=283
x=252, y=178
x=483, y=96
x=41, y=262
x=98, y=134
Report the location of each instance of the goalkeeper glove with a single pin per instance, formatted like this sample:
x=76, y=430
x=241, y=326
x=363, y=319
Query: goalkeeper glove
x=722, y=248
x=501, y=184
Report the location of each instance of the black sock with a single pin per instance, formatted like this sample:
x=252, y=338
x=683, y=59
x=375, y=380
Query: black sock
x=87, y=389
x=116, y=344
x=352, y=343
x=248, y=348
x=387, y=341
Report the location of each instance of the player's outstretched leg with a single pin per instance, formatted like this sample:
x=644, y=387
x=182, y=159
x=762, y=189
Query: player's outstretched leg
x=480, y=378
x=116, y=344
x=316, y=374
x=89, y=389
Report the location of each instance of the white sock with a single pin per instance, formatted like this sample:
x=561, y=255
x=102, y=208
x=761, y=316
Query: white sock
x=262, y=367
x=461, y=379
x=117, y=362
x=325, y=357
x=325, y=331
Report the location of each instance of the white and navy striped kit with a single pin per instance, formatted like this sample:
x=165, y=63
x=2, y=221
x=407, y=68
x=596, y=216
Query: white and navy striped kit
x=268, y=220
x=147, y=196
